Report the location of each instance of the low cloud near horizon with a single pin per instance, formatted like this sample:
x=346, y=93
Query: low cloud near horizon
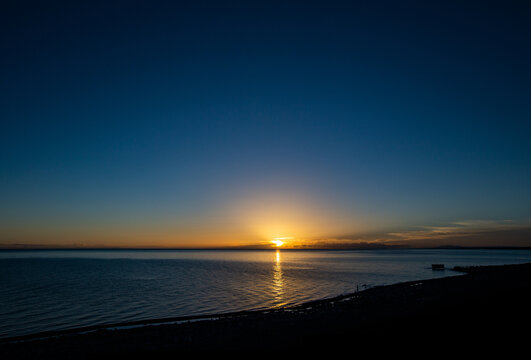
x=472, y=233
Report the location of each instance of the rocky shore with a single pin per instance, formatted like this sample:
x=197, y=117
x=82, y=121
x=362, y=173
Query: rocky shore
x=480, y=310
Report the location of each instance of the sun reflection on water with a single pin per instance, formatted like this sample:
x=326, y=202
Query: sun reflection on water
x=278, y=282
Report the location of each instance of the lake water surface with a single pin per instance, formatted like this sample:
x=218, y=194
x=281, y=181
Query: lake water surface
x=61, y=289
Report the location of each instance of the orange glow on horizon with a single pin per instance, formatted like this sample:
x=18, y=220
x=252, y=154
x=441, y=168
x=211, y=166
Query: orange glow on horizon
x=254, y=218
x=286, y=217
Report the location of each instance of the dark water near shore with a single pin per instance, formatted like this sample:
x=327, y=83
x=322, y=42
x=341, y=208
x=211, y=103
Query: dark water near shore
x=53, y=290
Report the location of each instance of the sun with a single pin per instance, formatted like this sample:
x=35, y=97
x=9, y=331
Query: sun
x=279, y=241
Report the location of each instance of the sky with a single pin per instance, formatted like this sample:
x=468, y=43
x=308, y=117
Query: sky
x=230, y=124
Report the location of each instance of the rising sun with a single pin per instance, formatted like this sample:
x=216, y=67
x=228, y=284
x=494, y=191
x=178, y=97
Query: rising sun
x=279, y=241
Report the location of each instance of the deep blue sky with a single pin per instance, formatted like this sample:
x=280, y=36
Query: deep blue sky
x=187, y=124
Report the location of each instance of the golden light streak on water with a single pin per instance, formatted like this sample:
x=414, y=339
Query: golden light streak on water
x=278, y=281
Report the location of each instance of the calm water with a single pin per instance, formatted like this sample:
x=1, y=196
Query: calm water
x=50, y=290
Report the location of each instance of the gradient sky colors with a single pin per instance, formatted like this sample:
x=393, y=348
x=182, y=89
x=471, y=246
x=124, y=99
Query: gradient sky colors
x=212, y=124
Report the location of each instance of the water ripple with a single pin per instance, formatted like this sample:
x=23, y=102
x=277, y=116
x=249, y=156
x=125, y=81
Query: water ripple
x=42, y=292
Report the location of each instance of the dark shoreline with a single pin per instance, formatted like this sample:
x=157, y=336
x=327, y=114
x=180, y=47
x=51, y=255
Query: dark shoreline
x=488, y=302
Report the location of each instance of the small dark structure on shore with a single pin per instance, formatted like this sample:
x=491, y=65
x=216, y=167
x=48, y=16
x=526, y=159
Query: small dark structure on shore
x=437, y=266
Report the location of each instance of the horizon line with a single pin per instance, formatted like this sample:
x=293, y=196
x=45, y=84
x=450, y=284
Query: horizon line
x=247, y=248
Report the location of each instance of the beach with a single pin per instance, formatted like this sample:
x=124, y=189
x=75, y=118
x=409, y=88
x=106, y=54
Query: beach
x=478, y=309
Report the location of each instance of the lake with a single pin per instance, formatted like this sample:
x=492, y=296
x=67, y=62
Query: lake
x=43, y=290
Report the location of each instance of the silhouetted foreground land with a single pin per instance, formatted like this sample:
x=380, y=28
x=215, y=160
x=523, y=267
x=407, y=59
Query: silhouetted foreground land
x=484, y=311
